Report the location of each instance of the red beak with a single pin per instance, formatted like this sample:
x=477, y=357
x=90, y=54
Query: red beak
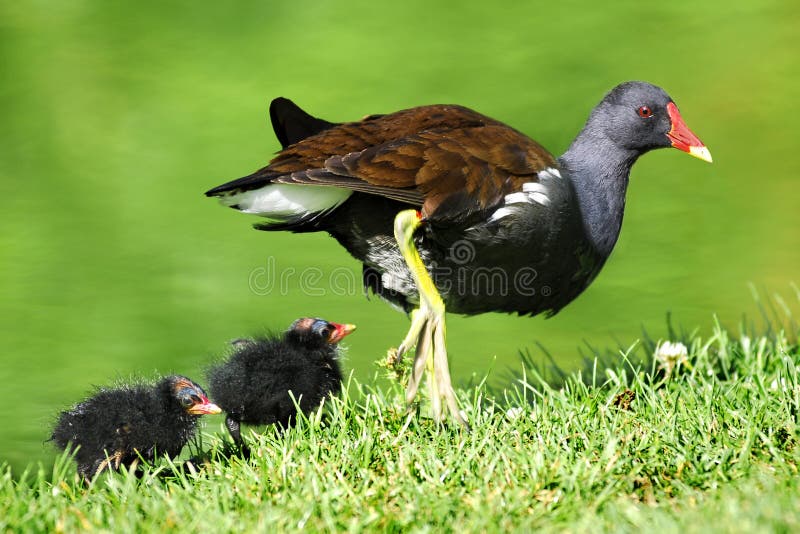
x=340, y=331
x=683, y=138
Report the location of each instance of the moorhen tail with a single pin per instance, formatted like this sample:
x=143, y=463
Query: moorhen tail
x=117, y=426
x=253, y=384
x=449, y=209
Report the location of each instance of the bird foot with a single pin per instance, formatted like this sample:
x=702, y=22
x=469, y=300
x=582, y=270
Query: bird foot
x=113, y=460
x=428, y=334
x=427, y=329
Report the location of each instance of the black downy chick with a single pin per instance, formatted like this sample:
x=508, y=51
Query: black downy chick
x=252, y=385
x=116, y=426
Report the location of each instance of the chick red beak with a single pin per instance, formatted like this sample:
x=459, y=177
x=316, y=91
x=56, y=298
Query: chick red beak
x=683, y=138
x=204, y=408
x=340, y=331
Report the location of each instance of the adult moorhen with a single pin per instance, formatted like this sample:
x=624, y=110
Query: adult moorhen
x=117, y=426
x=253, y=384
x=496, y=222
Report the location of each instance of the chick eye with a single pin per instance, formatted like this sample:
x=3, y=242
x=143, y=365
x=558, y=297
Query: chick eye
x=187, y=401
x=645, y=112
x=325, y=332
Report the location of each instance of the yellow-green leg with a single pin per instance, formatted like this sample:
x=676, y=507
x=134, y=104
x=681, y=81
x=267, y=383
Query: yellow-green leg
x=427, y=329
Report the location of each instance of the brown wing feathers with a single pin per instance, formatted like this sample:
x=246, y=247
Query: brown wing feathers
x=485, y=162
x=441, y=158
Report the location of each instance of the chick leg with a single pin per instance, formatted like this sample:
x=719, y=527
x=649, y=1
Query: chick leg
x=113, y=460
x=234, y=428
x=427, y=329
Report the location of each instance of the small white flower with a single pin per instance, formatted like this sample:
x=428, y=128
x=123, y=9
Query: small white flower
x=671, y=355
x=778, y=383
x=514, y=413
x=747, y=344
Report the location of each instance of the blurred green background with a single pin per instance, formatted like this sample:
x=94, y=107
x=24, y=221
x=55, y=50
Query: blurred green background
x=117, y=116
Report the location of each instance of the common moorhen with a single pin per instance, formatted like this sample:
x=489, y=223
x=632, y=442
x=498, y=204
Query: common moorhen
x=496, y=222
x=117, y=426
x=253, y=384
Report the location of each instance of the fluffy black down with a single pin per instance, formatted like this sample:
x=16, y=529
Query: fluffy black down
x=253, y=384
x=132, y=420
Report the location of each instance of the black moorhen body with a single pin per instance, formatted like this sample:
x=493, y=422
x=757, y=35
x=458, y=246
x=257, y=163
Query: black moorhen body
x=496, y=222
x=253, y=384
x=116, y=426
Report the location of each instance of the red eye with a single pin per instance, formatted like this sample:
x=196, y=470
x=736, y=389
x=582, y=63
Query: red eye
x=645, y=112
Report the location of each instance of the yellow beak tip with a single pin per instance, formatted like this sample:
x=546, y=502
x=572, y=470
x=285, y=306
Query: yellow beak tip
x=700, y=152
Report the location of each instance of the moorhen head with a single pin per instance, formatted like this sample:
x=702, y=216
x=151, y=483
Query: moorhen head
x=116, y=426
x=447, y=207
x=253, y=384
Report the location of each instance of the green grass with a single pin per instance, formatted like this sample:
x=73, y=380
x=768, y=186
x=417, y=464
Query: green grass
x=712, y=447
x=118, y=115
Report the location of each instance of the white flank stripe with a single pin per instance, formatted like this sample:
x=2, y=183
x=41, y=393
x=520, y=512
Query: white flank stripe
x=536, y=192
x=550, y=173
x=534, y=187
x=516, y=198
x=531, y=192
x=283, y=201
x=500, y=213
x=541, y=198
